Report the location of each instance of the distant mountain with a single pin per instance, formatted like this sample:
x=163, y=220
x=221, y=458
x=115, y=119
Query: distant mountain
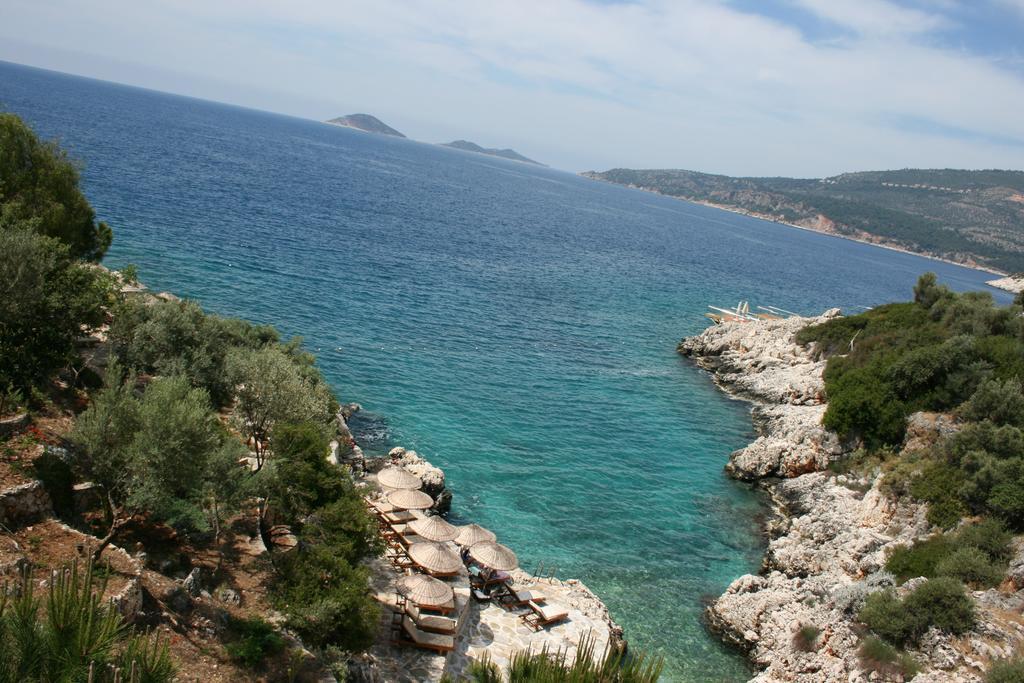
x=365, y=122
x=970, y=217
x=504, y=153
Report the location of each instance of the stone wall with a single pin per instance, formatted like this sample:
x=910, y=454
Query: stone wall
x=24, y=504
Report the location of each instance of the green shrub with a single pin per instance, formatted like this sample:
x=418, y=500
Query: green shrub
x=862, y=405
x=251, y=641
x=484, y=670
x=943, y=603
x=971, y=566
x=988, y=536
x=1001, y=402
x=1006, y=671
x=940, y=602
x=940, y=485
x=301, y=479
x=613, y=667
x=179, y=338
x=326, y=599
x=884, y=659
x=885, y=615
x=806, y=638
x=919, y=559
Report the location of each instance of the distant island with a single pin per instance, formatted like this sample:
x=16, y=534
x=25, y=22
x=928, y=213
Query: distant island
x=974, y=218
x=365, y=123
x=468, y=146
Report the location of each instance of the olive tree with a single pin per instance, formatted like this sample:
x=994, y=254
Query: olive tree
x=271, y=388
x=163, y=454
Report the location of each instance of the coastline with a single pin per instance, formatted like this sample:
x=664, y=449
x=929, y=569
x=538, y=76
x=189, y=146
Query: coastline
x=878, y=242
x=829, y=534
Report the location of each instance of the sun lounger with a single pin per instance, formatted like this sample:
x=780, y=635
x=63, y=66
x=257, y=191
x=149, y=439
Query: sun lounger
x=399, y=517
x=430, y=622
x=541, y=615
x=410, y=634
x=518, y=598
x=482, y=580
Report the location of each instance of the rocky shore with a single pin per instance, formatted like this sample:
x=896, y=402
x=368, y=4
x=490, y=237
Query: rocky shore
x=831, y=533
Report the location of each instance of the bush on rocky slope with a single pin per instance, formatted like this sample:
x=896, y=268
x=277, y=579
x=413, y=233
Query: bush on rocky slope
x=940, y=602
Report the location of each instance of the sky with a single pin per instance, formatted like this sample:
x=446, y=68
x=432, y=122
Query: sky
x=805, y=88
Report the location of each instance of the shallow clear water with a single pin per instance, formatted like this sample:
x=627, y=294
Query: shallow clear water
x=514, y=324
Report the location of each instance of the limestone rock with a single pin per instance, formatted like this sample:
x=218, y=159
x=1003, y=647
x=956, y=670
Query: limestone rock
x=833, y=533
x=193, y=583
x=762, y=362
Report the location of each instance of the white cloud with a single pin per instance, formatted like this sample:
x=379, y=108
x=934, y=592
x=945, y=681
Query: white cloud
x=687, y=83
x=875, y=17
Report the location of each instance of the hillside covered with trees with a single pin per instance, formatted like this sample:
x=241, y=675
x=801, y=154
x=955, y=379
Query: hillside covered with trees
x=964, y=216
x=193, y=434
x=959, y=358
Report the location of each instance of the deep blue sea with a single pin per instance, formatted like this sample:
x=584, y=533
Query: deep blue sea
x=514, y=324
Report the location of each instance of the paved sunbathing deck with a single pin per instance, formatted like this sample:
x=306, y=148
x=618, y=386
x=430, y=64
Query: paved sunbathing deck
x=484, y=628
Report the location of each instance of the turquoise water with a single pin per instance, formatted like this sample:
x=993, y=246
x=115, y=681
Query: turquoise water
x=514, y=324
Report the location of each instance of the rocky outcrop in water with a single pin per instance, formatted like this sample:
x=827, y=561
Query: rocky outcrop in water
x=832, y=533
x=761, y=361
x=432, y=477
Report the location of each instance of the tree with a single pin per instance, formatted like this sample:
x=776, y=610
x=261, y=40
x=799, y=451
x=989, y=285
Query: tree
x=1000, y=402
x=46, y=298
x=178, y=338
x=158, y=454
x=273, y=389
x=300, y=479
x=927, y=290
x=38, y=183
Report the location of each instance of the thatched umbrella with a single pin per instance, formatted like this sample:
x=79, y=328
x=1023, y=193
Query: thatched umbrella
x=494, y=555
x=436, y=558
x=471, y=534
x=398, y=478
x=425, y=590
x=407, y=499
x=434, y=529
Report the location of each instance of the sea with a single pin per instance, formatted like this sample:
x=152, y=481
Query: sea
x=514, y=324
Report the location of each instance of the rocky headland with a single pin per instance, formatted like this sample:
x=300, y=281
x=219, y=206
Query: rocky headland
x=830, y=533
x=1010, y=283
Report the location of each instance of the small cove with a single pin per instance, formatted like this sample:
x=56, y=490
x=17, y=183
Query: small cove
x=516, y=325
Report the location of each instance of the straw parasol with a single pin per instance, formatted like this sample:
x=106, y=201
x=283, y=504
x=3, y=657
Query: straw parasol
x=407, y=499
x=436, y=558
x=398, y=478
x=434, y=529
x=494, y=555
x=471, y=534
x=425, y=590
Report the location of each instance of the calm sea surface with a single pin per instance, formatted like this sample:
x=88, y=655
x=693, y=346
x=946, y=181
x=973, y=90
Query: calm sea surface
x=516, y=325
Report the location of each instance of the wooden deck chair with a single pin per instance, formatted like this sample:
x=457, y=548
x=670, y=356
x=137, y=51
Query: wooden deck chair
x=513, y=598
x=433, y=623
x=410, y=634
x=542, y=615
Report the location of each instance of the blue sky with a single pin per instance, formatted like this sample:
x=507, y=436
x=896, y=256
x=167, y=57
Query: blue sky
x=744, y=87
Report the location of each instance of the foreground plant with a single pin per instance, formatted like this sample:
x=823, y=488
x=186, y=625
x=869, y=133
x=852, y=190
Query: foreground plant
x=546, y=666
x=73, y=635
